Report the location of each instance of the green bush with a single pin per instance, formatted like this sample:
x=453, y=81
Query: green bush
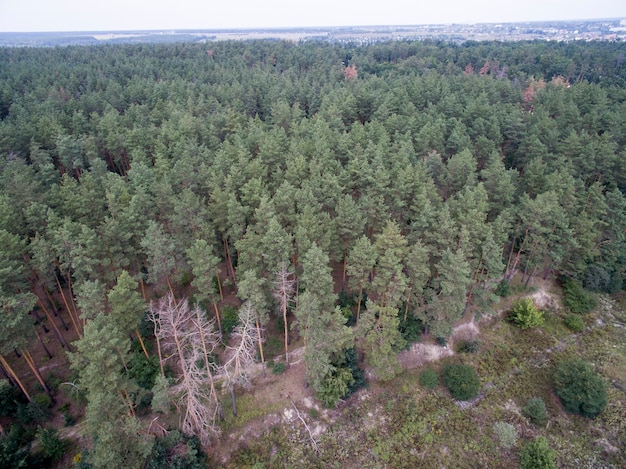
x=142, y=370
x=525, y=314
x=334, y=386
x=506, y=433
x=230, y=318
x=15, y=448
x=278, y=368
x=37, y=411
x=43, y=400
x=462, y=381
x=574, y=322
x=503, y=289
x=535, y=411
x=596, y=278
x=468, y=346
x=581, y=390
x=52, y=446
x=351, y=361
x=429, y=379
x=68, y=419
x=537, y=455
x=411, y=329
x=576, y=298
x=10, y=398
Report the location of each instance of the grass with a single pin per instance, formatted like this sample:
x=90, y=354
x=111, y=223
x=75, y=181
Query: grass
x=248, y=409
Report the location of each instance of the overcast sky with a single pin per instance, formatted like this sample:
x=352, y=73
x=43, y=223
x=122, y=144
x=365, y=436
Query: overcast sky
x=107, y=15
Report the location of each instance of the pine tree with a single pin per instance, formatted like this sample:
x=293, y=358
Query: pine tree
x=360, y=265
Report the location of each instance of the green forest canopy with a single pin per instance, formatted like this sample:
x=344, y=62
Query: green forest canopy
x=427, y=171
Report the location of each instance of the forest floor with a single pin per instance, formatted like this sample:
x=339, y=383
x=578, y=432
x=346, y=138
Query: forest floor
x=282, y=412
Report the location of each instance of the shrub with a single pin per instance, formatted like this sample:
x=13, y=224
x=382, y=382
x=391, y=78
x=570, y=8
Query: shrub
x=142, y=370
x=351, y=361
x=278, y=368
x=506, y=433
x=14, y=447
x=36, y=411
x=52, y=446
x=574, y=322
x=10, y=398
x=344, y=300
x=537, y=455
x=525, y=314
x=334, y=386
x=596, y=278
x=429, y=379
x=230, y=318
x=503, y=289
x=581, y=390
x=462, y=381
x=68, y=419
x=535, y=411
x=468, y=346
x=43, y=400
x=160, y=395
x=576, y=298
x=411, y=329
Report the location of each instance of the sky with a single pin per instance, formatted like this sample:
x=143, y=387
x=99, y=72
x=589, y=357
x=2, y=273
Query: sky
x=119, y=15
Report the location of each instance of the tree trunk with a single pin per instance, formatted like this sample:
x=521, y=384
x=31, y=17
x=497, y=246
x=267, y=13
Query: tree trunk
x=7, y=376
x=284, y=308
x=33, y=367
x=530, y=276
x=406, y=306
x=55, y=328
x=220, y=413
x=39, y=321
x=73, y=303
x=15, y=378
x=229, y=260
x=54, y=309
x=343, y=275
x=143, y=346
x=158, y=342
x=219, y=319
x=219, y=286
x=509, y=275
x=358, y=305
x=43, y=345
x=510, y=258
x=258, y=329
x=67, y=307
x=232, y=397
x=143, y=287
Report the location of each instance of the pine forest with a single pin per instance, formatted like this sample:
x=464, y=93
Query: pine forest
x=265, y=254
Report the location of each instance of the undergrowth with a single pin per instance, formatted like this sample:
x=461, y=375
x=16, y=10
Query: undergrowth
x=404, y=424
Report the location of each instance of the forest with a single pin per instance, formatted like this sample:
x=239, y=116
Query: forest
x=179, y=222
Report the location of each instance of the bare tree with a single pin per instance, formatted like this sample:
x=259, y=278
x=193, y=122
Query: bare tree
x=284, y=287
x=243, y=355
x=187, y=338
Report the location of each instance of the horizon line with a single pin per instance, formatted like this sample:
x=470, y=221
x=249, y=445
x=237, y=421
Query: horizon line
x=287, y=28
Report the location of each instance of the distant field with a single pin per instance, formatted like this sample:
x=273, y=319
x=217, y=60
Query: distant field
x=608, y=29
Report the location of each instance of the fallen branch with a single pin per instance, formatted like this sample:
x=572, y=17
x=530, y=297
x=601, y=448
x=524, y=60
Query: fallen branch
x=313, y=441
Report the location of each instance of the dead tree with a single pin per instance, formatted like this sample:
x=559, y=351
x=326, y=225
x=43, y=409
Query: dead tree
x=284, y=287
x=242, y=356
x=187, y=338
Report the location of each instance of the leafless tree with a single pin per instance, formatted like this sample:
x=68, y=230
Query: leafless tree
x=187, y=338
x=284, y=287
x=242, y=356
